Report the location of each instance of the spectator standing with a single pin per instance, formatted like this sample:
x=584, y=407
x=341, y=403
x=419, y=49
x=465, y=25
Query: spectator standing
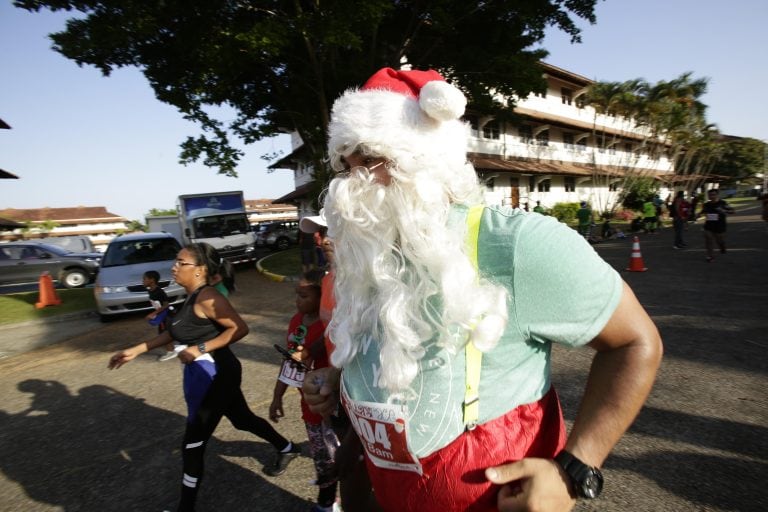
x=714, y=212
x=307, y=248
x=539, y=209
x=649, y=216
x=679, y=210
x=584, y=217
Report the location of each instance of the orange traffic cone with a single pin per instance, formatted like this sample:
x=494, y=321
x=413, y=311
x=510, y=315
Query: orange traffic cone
x=47, y=294
x=636, y=260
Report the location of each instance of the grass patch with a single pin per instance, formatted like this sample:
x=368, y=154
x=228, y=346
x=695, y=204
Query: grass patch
x=20, y=307
x=284, y=263
x=742, y=201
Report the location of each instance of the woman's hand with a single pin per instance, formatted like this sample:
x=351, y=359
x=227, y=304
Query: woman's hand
x=189, y=354
x=122, y=357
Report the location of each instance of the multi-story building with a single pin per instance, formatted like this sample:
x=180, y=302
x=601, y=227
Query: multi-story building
x=561, y=150
x=557, y=150
x=95, y=222
x=266, y=210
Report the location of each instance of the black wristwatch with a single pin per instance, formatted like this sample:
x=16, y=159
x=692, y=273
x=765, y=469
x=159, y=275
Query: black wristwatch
x=201, y=347
x=586, y=481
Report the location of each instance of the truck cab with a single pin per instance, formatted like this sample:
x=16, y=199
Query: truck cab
x=218, y=219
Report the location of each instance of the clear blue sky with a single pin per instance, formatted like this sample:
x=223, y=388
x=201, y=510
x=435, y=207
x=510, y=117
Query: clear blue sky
x=80, y=139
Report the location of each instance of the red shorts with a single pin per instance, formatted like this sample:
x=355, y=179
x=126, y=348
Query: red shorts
x=454, y=477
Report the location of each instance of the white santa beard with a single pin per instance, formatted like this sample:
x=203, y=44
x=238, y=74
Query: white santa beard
x=394, y=256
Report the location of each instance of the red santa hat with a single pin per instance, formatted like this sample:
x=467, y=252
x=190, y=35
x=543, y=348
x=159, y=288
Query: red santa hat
x=409, y=117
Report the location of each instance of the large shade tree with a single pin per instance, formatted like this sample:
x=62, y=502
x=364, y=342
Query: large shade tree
x=279, y=64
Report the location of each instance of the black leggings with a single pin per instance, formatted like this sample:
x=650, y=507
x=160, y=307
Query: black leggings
x=224, y=398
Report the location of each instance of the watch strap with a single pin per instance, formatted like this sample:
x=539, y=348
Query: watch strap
x=579, y=473
x=201, y=348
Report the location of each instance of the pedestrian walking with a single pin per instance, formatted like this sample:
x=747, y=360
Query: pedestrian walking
x=714, y=212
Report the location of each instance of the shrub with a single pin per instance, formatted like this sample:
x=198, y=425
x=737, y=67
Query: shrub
x=639, y=192
x=564, y=212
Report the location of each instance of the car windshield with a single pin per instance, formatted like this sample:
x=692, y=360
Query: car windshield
x=129, y=252
x=220, y=225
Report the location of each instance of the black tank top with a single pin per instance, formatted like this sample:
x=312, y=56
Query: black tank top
x=189, y=329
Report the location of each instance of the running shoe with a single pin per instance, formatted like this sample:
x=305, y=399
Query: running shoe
x=167, y=356
x=279, y=465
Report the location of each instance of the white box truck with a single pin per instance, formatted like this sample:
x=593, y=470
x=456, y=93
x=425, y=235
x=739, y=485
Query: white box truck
x=216, y=218
x=166, y=223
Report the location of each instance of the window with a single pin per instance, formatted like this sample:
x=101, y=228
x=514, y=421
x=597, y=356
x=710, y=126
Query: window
x=613, y=187
x=627, y=148
x=566, y=96
x=600, y=144
x=542, y=139
x=570, y=184
x=582, y=144
x=526, y=134
x=543, y=186
x=491, y=130
x=542, y=94
x=568, y=140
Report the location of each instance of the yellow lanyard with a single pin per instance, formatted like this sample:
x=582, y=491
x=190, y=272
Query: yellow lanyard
x=473, y=357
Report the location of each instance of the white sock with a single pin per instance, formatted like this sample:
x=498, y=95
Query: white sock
x=287, y=448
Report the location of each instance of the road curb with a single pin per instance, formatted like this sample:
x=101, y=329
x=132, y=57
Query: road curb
x=271, y=275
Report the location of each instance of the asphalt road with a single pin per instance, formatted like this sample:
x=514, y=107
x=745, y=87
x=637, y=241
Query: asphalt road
x=78, y=437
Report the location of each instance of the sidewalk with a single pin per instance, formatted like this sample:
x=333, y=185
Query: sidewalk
x=23, y=337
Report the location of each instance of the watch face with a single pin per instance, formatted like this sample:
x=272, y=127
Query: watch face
x=592, y=485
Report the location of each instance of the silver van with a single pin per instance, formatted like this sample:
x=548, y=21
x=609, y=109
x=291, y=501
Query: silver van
x=118, y=287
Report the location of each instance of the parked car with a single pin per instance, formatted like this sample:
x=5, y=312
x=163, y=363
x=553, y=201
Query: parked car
x=277, y=235
x=119, y=288
x=24, y=262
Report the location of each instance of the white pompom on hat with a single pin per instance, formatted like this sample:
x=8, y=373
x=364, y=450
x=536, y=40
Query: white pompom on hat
x=405, y=116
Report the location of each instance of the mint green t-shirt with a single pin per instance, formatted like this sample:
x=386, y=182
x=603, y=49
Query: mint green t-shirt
x=560, y=291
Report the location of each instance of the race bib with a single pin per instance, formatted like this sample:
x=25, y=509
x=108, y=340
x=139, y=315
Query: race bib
x=291, y=374
x=382, y=432
x=713, y=216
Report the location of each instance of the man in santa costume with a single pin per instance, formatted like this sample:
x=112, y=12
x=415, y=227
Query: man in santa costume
x=446, y=310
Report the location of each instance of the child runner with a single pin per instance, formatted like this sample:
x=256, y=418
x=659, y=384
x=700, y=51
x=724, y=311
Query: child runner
x=159, y=301
x=305, y=342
